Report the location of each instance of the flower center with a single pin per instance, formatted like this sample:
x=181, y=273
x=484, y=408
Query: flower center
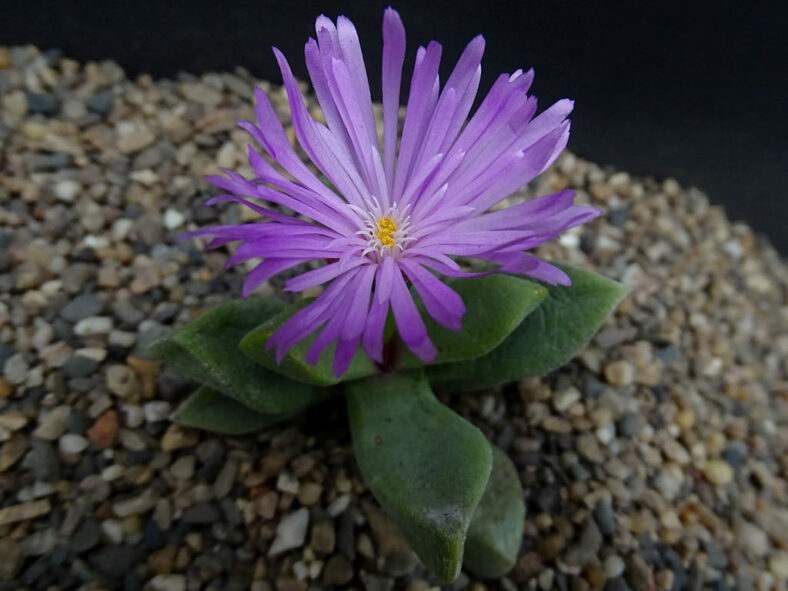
x=386, y=229
x=385, y=232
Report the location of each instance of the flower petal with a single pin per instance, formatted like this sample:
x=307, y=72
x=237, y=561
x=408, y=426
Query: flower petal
x=393, y=58
x=409, y=323
x=443, y=303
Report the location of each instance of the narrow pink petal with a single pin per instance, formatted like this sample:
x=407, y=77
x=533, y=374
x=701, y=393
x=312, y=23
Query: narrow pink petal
x=372, y=338
x=314, y=65
x=321, y=153
x=393, y=58
x=354, y=59
x=421, y=103
x=351, y=107
x=521, y=215
x=309, y=319
x=358, y=304
x=531, y=266
x=274, y=139
x=508, y=174
x=269, y=213
x=385, y=279
x=443, y=303
x=317, y=276
x=265, y=271
x=328, y=335
x=409, y=323
x=343, y=355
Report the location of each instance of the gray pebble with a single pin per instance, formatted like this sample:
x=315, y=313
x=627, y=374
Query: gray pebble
x=78, y=366
x=83, y=306
x=604, y=517
x=114, y=561
x=125, y=311
x=617, y=584
x=49, y=162
x=587, y=547
x=85, y=537
x=42, y=103
x=376, y=582
x=201, y=513
x=100, y=102
x=735, y=453
x=45, y=461
x=338, y=570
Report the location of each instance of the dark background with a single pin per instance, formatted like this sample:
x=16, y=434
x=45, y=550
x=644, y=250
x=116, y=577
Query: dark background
x=694, y=90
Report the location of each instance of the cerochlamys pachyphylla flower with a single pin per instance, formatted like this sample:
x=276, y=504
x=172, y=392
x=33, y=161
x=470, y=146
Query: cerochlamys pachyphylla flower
x=397, y=216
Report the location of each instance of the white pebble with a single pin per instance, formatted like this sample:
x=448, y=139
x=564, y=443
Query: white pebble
x=121, y=228
x=168, y=583
x=112, y=472
x=287, y=483
x=133, y=415
x=566, y=398
x=67, y=190
x=338, y=505
x=173, y=219
x=157, y=410
x=71, y=443
x=291, y=532
x=93, y=325
x=614, y=566
x=15, y=369
x=113, y=529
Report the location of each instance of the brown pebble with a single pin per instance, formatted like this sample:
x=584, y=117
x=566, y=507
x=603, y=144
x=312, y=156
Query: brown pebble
x=527, y=567
x=177, y=437
x=5, y=58
x=595, y=575
x=148, y=372
x=323, y=537
x=309, y=493
x=550, y=546
x=338, y=571
x=162, y=561
x=12, y=451
x=290, y=584
x=718, y=472
x=104, y=429
x=24, y=511
x=6, y=389
x=664, y=579
x=619, y=373
x=12, y=558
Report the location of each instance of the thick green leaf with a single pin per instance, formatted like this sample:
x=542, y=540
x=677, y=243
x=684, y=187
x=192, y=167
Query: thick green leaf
x=206, y=350
x=207, y=409
x=294, y=365
x=496, y=530
x=494, y=306
x=546, y=339
x=427, y=466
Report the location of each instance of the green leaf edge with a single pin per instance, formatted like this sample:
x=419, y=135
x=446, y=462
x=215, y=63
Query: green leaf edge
x=205, y=401
x=294, y=365
x=171, y=350
x=447, y=569
x=459, y=377
x=484, y=555
x=438, y=333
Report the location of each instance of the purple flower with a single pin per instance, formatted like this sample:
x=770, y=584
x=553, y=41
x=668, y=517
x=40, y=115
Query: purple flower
x=396, y=216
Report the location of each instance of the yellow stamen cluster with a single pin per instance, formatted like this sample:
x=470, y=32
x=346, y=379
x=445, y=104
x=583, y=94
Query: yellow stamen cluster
x=386, y=229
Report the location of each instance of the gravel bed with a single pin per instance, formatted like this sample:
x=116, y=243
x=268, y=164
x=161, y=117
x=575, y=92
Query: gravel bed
x=655, y=460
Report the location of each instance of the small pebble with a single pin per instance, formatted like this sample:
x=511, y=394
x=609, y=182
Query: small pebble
x=718, y=472
x=291, y=532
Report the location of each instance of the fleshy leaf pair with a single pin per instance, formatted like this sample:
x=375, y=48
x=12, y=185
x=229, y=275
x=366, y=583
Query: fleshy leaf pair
x=457, y=498
x=451, y=492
